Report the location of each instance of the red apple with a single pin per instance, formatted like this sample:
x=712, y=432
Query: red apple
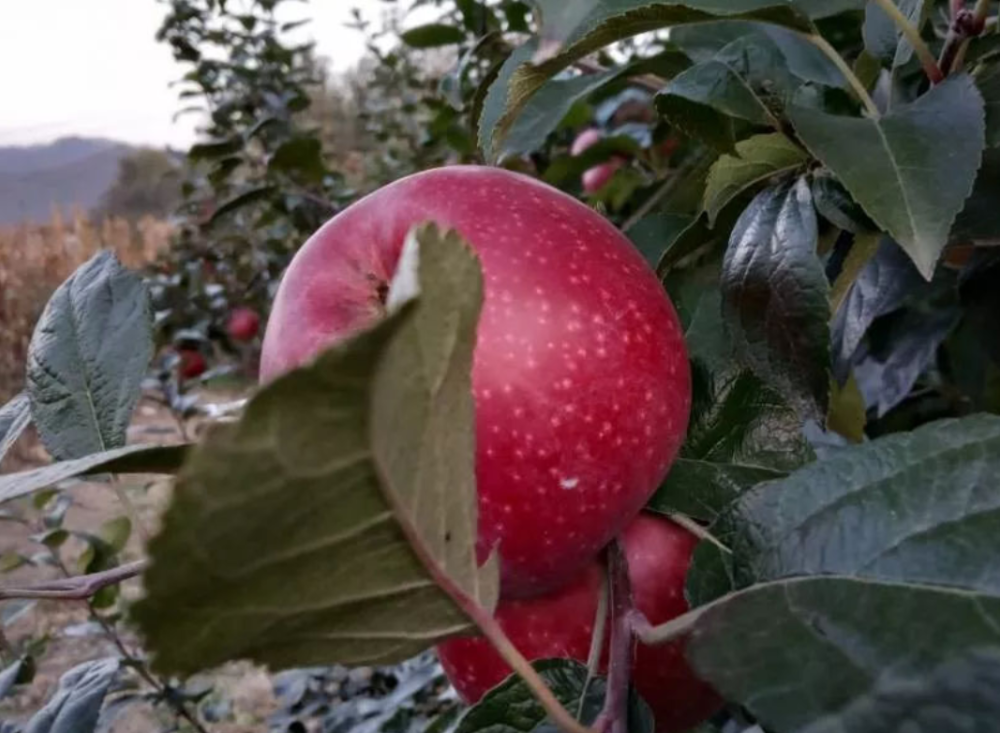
x=243, y=324
x=597, y=177
x=192, y=363
x=589, y=137
x=580, y=373
x=561, y=624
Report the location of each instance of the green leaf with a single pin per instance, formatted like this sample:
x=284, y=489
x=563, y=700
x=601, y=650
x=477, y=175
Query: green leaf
x=313, y=531
x=654, y=234
x=87, y=358
x=9, y=676
x=757, y=159
x=130, y=459
x=215, y=149
x=847, y=410
x=743, y=80
x=988, y=81
x=876, y=567
x=912, y=169
x=301, y=157
x=919, y=507
x=570, y=31
x=740, y=432
x=432, y=35
x=237, y=202
x=835, y=204
x=511, y=706
x=883, y=39
x=775, y=296
x=14, y=418
x=837, y=654
x=115, y=532
x=76, y=705
x=881, y=287
x=702, y=41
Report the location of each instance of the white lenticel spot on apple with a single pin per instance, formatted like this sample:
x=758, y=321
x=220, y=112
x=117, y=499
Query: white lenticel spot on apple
x=569, y=483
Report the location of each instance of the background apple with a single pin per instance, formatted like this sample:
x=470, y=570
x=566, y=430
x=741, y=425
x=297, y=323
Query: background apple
x=192, y=363
x=580, y=375
x=243, y=324
x=561, y=624
x=595, y=178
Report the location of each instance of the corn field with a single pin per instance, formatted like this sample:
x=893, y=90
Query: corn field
x=36, y=257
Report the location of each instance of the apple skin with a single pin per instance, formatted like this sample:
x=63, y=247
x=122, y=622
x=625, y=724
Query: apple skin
x=561, y=624
x=580, y=373
x=243, y=324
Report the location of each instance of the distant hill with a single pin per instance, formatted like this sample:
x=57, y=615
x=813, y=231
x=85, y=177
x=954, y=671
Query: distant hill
x=71, y=170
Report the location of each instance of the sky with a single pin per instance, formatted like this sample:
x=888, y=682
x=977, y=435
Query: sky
x=113, y=79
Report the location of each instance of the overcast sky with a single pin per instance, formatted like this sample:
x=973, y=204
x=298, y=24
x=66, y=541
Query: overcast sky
x=93, y=67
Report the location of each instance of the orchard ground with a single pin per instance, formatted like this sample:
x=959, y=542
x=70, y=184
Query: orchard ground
x=72, y=638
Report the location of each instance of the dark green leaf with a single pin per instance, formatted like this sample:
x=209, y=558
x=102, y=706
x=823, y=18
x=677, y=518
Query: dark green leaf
x=886, y=377
x=880, y=288
x=431, y=35
x=654, y=234
x=240, y=200
x=843, y=654
x=757, y=159
x=130, y=459
x=14, y=418
x=743, y=80
x=215, y=149
x=570, y=31
x=76, y=705
x=702, y=41
x=882, y=37
x=391, y=452
x=884, y=560
x=775, y=296
x=978, y=220
x=301, y=157
x=988, y=81
x=835, y=204
x=511, y=707
x=700, y=489
x=913, y=168
x=87, y=358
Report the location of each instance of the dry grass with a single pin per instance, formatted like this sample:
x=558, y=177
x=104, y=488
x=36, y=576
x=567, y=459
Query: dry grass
x=36, y=258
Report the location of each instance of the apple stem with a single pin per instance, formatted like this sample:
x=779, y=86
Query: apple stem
x=596, y=640
x=492, y=631
x=614, y=716
x=698, y=531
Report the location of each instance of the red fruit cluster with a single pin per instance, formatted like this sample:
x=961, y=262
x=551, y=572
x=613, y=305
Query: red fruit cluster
x=597, y=177
x=580, y=373
x=243, y=324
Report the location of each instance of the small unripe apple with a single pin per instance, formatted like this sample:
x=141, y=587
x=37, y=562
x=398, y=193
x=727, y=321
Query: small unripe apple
x=243, y=324
x=580, y=373
x=192, y=363
x=596, y=177
x=561, y=624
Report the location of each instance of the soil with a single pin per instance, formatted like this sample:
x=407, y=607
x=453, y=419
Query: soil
x=245, y=692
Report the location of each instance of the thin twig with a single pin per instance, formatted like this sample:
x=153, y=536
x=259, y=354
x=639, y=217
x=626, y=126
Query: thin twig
x=614, y=715
x=698, y=531
x=75, y=588
x=831, y=53
x=927, y=59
